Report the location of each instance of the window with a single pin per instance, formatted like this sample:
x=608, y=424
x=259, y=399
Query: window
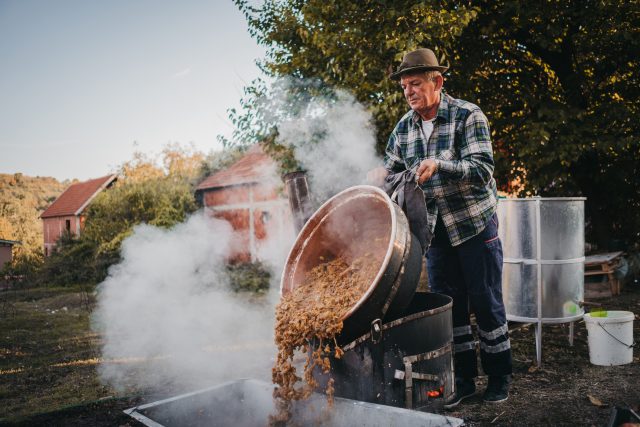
x=68, y=225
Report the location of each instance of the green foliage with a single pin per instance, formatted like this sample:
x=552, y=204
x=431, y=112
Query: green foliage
x=73, y=262
x=249, y=277
x=23, y=267
x=351, y=45
x=22, y=201
x=219, y=160
x=557, y=80
x=156, y=190
x=162, y=202
x=153, y=190
x=110, y=218
x=180, y=161
x=268, y=107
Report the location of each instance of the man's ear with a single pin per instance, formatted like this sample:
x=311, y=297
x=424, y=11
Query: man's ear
x=438, y=81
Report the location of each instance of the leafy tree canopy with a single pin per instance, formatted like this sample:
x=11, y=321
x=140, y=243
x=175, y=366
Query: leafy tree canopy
x=558, y=81
x=178, y=161
x=22, y=201
x=156, y=190
x=162, y=202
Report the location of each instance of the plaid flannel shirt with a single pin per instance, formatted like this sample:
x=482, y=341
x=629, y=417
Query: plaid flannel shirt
x=463, y=190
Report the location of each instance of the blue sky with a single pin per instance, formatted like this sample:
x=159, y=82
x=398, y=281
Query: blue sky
x=80, y=81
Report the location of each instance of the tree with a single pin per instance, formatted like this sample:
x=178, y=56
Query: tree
x=110, y=218
x=22, y=201
x=183, y=161
x=162, y=202
x=146, y=192
x=557, y=80
x=219, y=160
x=73, y=262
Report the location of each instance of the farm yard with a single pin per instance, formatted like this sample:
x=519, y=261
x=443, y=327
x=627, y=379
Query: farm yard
x=49, y=358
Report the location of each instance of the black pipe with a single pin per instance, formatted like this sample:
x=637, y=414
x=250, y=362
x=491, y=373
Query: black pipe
x=299, y=198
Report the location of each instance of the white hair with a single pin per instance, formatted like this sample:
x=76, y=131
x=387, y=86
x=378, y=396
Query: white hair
x=432, y=74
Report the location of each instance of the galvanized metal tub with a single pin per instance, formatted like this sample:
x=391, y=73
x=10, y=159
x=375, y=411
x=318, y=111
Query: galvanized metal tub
x=543, y=247
x=345, y=226
x=249, y=403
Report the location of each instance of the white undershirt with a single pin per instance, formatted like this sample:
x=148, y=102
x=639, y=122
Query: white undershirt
x=427, y=128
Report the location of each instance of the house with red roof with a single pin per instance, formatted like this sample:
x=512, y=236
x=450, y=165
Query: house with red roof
x=250, y=196
x=65, y=214
x=6, y=251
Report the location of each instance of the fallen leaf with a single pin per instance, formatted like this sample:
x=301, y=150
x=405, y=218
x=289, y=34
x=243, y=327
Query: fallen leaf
x=595, y=401
x=532, y=369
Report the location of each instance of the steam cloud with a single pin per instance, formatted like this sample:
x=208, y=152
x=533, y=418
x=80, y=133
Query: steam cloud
x=166, y=314
x=169, y=304
x=332, y=135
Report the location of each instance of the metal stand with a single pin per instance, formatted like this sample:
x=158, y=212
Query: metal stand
x=570, y=334
x=538, y=333
x=539, y=343
x=538, y=261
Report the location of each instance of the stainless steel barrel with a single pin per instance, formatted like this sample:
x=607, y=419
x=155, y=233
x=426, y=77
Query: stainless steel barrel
x=543, y=245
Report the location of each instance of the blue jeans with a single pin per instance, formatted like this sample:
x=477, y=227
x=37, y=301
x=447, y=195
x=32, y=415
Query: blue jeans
x=471, y=274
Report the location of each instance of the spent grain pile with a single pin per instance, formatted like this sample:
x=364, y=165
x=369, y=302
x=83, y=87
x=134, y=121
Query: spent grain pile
x=309, y=318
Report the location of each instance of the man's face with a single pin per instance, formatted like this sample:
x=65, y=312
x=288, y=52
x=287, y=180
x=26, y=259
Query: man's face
x=421, y=93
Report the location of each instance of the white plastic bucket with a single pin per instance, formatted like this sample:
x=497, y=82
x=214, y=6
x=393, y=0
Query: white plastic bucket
x=610, y=338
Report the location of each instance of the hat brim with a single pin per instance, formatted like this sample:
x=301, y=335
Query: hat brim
x=409, y=70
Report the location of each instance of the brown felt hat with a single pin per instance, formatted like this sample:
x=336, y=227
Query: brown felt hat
x=418, y=60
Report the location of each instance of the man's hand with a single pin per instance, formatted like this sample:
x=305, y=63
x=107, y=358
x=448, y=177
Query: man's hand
x=426, y=170
x=376, y=176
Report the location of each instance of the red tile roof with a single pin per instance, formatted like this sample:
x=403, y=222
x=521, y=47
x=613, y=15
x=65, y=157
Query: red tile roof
x=77, y=197
x=253, y=167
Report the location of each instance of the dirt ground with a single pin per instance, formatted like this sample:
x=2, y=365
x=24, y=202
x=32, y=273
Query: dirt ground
x=48, y=372
x=567, y=390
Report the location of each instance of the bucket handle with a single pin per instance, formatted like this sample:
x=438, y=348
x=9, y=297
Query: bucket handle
x=616, y=338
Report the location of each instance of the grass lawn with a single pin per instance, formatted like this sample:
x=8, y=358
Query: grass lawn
x=48, y=355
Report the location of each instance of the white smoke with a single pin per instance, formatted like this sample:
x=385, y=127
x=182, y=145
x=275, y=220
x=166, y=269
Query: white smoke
x=332, y=135
x=166, y=313
x=168, y=317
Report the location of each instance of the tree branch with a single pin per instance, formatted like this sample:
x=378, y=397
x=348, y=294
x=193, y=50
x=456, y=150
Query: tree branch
x=563, y=63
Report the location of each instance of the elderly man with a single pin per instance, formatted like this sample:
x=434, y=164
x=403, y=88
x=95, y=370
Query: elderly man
x=448, y=141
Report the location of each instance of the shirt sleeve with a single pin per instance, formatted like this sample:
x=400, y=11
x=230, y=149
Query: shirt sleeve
x=392, y=155
x=476, y=153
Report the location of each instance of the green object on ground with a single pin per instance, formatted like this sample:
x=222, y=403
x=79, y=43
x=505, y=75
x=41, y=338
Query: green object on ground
x=599, y=313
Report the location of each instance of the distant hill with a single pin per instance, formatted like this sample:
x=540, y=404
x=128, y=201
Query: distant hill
x=22, y=200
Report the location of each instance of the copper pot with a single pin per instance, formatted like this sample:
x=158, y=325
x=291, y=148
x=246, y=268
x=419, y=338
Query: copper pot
x=346, y=225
